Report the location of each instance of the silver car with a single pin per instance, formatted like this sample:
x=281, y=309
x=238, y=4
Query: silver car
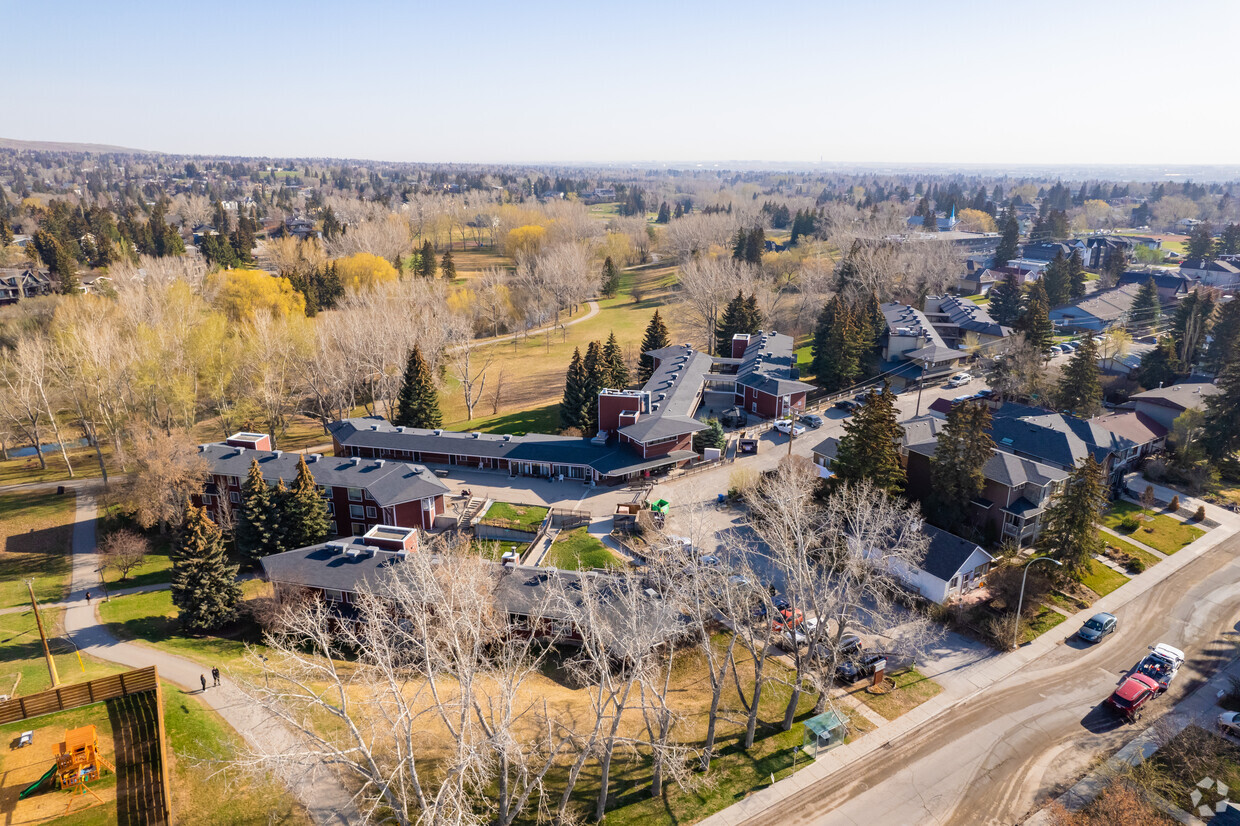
x=1097, y=627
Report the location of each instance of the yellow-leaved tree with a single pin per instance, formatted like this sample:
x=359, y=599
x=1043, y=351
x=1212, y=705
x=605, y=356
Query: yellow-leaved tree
x=974, y=220
x=526, y=239
x=363, y=271
x=242, y=294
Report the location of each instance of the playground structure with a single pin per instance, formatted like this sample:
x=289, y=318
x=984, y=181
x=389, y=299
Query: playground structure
x=78, y=763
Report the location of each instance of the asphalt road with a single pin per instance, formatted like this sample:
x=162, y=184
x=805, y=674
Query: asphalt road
x=998, y=757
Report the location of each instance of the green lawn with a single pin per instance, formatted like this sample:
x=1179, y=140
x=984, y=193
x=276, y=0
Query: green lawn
x=493, y=550
x=23, y=669
x=85, y=466
x=545, y=419
x=37, y=530
x=577, y=550
x=1101, y=579
x=524, y=517
x=1128, y=548
x=1044, y=620
x=152, y=618
x=1161, y=532
x=154, y=570
x=912, y=689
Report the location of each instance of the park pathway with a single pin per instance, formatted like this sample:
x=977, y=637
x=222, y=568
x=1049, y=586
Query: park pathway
x=483, y=342
x=315, y=787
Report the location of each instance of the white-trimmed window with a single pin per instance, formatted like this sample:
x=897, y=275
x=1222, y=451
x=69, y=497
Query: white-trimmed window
x=331, y=508
x=371, y=513
x=357, y=512
x=234, y=497
x=355, y=494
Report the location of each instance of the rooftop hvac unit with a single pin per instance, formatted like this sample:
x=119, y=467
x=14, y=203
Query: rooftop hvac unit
x=313, y=457
x=353, y=552
x=355, y=461
x=400, y=428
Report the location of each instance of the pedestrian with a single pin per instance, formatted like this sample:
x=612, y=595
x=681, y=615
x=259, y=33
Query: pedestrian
x=215, y=675
x=88, y=597
x=203, y=677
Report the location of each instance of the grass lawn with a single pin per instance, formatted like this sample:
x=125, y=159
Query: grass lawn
x=577, y=550
x=1128, y=548
x=85, y=466
x=1189, y=757
x=526, y=517
x=912, y=689
x=519, y=422
x=152, y=618
x=493, y=550
x=1041, y=622
x=1160, y=531
x=37, y=531
x=1101, y=579
x=23, y=670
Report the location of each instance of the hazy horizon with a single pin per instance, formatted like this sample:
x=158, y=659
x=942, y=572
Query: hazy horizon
x=559, y=83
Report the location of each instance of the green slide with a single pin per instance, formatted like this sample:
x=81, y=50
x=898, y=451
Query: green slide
x=36, y=785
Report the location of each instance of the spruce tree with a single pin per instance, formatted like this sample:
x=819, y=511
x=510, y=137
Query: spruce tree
x=964, y=447
x=1036, y=322
x=656, y=338
x=447, y=266
x=751, y=316
x=1146, y=309
x=426, y=260
x=1076, y=275
x=1080, y=385
x=1160, y=366
x=204, y=584
x=1225, y=339
x=1055, y=281
x=713, y=436
x=573, y=404
x=615, y=371
x=611, y=278
x=1200, y=242
x=417, y=404
x=1221, y=432
x=305, y=512
x=1009, y=244
x=1006, y=300
x=730, y=323
x=595, y=376
x=755, y=244
x=930, y=221
x=868, y=450
x=257, y=524
x=1071, y=532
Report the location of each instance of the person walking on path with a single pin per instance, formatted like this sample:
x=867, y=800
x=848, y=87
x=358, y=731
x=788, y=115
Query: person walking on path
x=88, y=597
x=215, y=675
x=203, y=677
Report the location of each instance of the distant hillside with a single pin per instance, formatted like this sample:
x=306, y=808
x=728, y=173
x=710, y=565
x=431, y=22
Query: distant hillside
x=57, y=146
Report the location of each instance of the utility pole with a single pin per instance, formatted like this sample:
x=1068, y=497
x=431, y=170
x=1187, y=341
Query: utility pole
x=51, y=664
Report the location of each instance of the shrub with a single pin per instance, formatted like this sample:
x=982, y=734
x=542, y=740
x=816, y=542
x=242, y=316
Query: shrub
x=1135, y=565
x=1200, y=515
x=1175, y=504
x=1129, y=524
x=1147, y=498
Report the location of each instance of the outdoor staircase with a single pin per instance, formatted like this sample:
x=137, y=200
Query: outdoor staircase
x=474, y=507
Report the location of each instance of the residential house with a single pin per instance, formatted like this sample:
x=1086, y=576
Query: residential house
x=1127, y=363
x=962, y=324
x=1034, y=266
x=1171, y=286
x=24, y=282
x=951, y=567
x=1100, y=249
x=1047, y=250
x=912, y=350
x=360, y=493
x=1211, y=272
x=1099, y=311
x=300, y=228
x=1139, y=428
x=1165, y=404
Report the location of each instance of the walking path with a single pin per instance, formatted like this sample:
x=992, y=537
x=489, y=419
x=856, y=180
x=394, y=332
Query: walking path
x=319, y=791
x=483, y=342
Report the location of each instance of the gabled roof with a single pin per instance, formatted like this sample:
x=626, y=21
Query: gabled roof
x=1055, y=438
x=1136, y=427
x=947, y=553
x=1104, y=305
x=769, y=364
x=387, y=482
x=1006, y=468
x=1209, y=265
x=1183, y=396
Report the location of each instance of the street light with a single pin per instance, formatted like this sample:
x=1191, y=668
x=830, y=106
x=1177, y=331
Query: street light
x=1021, y=602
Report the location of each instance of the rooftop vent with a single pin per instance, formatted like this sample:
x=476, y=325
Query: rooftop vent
x=355, y=461
x=314, y=457
x=240, y=450
x=400, y=428
x=336, y=547
x=374, y=427
x=201, y=448
x=277, y=453
x=654, y=407
x=378, y=463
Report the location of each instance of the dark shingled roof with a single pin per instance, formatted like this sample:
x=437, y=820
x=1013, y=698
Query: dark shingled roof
x=388, y=482
x=946, y=553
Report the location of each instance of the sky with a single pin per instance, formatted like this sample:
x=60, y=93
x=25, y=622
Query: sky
x=867, y=81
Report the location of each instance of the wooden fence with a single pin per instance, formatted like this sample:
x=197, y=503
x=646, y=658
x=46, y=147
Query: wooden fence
x=66, y=697
x=567, y=519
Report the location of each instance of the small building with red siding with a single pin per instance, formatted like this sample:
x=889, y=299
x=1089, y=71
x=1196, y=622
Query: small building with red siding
x=360, y=493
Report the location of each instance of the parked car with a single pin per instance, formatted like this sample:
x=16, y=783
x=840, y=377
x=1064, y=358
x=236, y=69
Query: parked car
x=1133, y=693
x=847, y=405
x=865, y=394
x=1229, y=723
x=984, y=393
x=789, y=426
x=1161, y=664
x=959, y=380
x=849, y=649
x=1097, y=627
x=1069, y=346
x=734, y=417
x=813, y=420
x=860, y=668
x=796, y=638
x=1056, y=350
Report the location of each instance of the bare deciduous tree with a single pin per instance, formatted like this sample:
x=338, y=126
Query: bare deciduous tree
x=123, y=550
x=167, y=470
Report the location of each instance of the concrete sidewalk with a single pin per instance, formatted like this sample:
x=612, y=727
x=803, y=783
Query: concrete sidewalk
x=315, y=786
x=981, y=674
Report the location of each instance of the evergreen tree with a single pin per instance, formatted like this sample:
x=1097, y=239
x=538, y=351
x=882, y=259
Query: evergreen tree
x=1006, y=300
x=6, y=231
x=305, y=512
x=1114, y=267
x=964, y=447
x=1160, y=366
x=280, y=504
x=738, y=245
x=257, y=524
x=1071, y=533
x=573, y=412
x=713, y=436
x=1200, y=242
x=930, y=221
x=447, y=267
x=398, y=262
x=1191, y=324
x=731, y=322
x=1009, y=244
x=426, y=260
x=417, y=404
x=1036, y=322
x=1228, y=240
x=656, y=338
x=1080, y=385
x=1055, y=281
x=611, y=278
x=868, y=449
x=755, y=244
x=843, y=343
x=1076, y=275
x=1225, y=339
x=615, y=371
x=751, y=316
x=204, y=585
x=664, y=215
x=595, y=378
x=1221, y=431
x=1146, y=309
